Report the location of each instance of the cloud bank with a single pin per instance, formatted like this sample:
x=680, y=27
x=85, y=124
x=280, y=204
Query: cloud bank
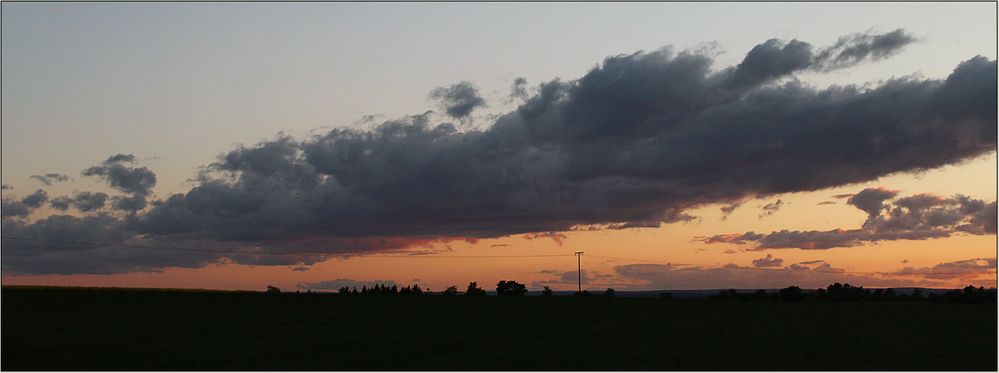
x=634, y=142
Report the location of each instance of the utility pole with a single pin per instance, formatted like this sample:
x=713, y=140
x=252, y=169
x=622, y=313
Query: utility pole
x=579, y=270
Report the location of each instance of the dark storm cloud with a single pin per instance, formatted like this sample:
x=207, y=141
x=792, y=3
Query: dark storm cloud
x=918, y=217
x=768, y=261
x=458, y=100
x=50, y=178
x=128, y=179
x=57, y=256
x=635, y=142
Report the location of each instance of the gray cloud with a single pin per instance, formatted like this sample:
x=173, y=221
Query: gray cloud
x=458, y=100
x=816, y=274
x=83, y=201
x=918, y=217
x=341, y=282
x=13, y=208
x=856, y=48
x=36, y=199
x=768, y=261
x=518, y=89
x=128, y=179
x=50, y=178
x=635, y=142
x=89, y=201
x=871, y=200
x=961, y=269
x=57, y=256
x=771, y=208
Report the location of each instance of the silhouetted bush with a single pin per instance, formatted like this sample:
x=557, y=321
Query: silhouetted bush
x=451, y=290
x=510, y=288
x=547, y=292
x=273, y=289
x=474, y=289
x=609, y=292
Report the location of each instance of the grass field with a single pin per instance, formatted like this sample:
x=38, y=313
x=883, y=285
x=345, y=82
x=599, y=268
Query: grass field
x=57, y=329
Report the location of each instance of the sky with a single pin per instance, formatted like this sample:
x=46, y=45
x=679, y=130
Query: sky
x=679, y=146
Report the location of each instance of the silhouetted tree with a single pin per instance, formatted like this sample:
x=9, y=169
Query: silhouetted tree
x=969, y=294
x=547, y=292
x=845, y=292
x=729, y=294
x=451, y=290
x=344, y=290
x=510, y=288
x=273, y=289
x=609, y=292
x=791, y=293
x=761, y=295
x=474, y=289
x=889, y=294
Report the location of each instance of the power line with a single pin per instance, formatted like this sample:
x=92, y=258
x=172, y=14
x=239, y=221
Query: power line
x=436, y=256
x=224, y=251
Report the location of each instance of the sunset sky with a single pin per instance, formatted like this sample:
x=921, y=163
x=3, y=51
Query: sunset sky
x=680, y=146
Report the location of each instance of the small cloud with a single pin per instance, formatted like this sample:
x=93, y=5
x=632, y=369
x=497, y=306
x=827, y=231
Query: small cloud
x=50, y=178
x=768, y=261
x=555, y=236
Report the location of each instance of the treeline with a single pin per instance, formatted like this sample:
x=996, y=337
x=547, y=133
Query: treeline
x=846, y=292
x=502, y=288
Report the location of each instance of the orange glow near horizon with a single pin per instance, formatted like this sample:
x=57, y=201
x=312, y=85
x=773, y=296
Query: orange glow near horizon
x=672, y=243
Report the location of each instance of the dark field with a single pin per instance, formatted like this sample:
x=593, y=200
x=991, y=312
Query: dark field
x=58, y=329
